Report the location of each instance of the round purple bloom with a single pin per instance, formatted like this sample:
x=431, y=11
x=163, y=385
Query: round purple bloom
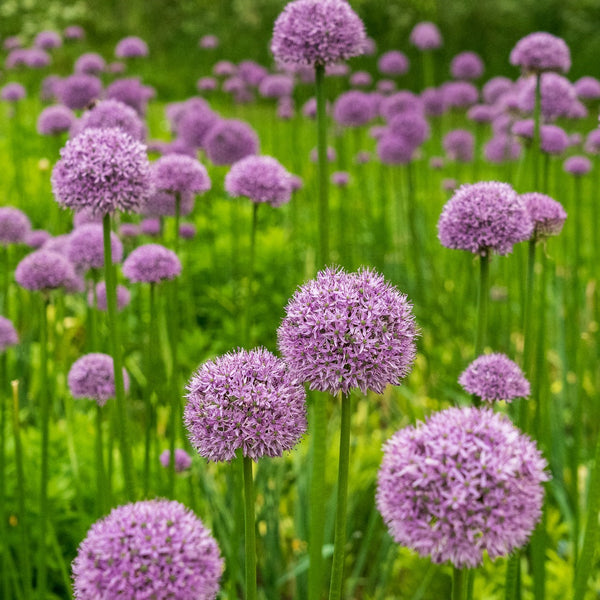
x=449, y=185
x=36, y=58
x=433, y=102
x=244, y=400
x=8, y=334
x=93, y=376
x=91, y=63
x=44, y=270
x=394, y=149
x=14, y=225
x=523, y=128
x=36, y=238
x=592, y=142
x=502, y=148
x=261, y=179
x=224, y=68
x=494, y=377
x=481, y=113
x=251, y=73
x=123, y=297
x=58, y=243
x=317, y=32
x=74, y=32
x=194, y=123
x=465, y=482
x=162, y=204
x=426, y=36
x=466, y=65
x=208, y=42
x=554, y=139
x=459, y=145
x=484, y=217
x=400, y=102
x=54, y=120
x=154, y=549
x=285, y=108
x=131, y=47
x=361, y=79
x=86, y=216
x=362, y=157
x=12, y=42
x=86, y=247
x=49, y=88
x=495, y=88
x=77, y=91
x=459, y=94
x=337, y=70
x=104, y=170
x=187, y=231
x=412, y=126
x=276, y=86
x=207, y=84
x=547, y=214
x=340, y=178
x=541, y=51
x=129, y=230
x=132, y=92
x=183, y=461
x=587, y=88
x=151, y=263
x=151, y=226
x=47, y=40
x=393, y=63
x=109, y=114
x=179, y=174
x=348, y=330
x=558, y=96
x=230, y=140
x=353, y=109
x=577, y=165
x=386, y=86
x=13, y=92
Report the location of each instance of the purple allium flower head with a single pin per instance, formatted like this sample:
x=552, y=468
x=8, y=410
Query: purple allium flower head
x=244, y=400
x=577, y=110
x=434, y=104
x=58, y=243
x=207, y=84
x=85, y=216
x=464, y=482
x=494, y=377
x=386, y=86
x=109, y=114
x=575, y=140
x=481, y=113
x=361, y=79
x=12, y=92
x=74, y=32
x=54, y=120
x=436, y=163
x=208, y=42
x=77, y=91
x=340, y=178
x=337, y=70
x=86, y=247
x=132, y=92
x=362, y=157
x=592, y=142
x=541, y=51
x=194, y=124
x=91, y=63
x=309, y=108
x=587, y=88
x=154, y=549
x=251, y=73
x=8, y=334
x=394, y=149
x=466, y=65
x=104, y=170
x=353, y=109
x=12, y=42
x=495, y=88
x=183, y=461
x=49, y=87
x=179, y=174
x=151, y=227
x=426, y=36
x=459, y=145
x=47, y=40
x=131, y=47
x=230, y=140
x=35, y=58
x=261, y=179
x=501, y=124
x=400, y=102
x=557, y=96
x=547, y=214
x=317, y=32
x=449, y=185
x=44, y=270
x=276, y=86
x=36, y=238
x=502, y=148
x=93, y=376
x=224, y=68
x=161, y=204
x=187, y=231
x=484, y=217
x=554, y=139
x=459, y=94
x=151, y=263
x=233, y=85
x=393, y=63
x=123, y=297
x=523, y=128
x=14, y=225
x=412, y=126
x=348, y=330
x=285, y=108
x=331, y=155
x=129, y=230
x=577, y=165
x=297, y=182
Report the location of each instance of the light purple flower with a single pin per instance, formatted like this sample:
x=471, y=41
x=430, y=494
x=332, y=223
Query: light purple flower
x=55, y=120
x=393, y=63
x=77, y=91
x=459, y=145
x=131, y=47
x=386, y=86
x=577, y=165
x=459, y=94
x=208, y=42
x=592, y=142
x=224, y=68
x=353, y=109
x=285, y=108
x=109, y=114
x=251, y=73
x=193, y=124
x=91, y=63
x=129, y=230
x=12, y=92
x=207, y=84
x=557, y=96
x=230, y=140
x=47, y=40
x=412, y=126
x=502, y=148
x=276, y=86
x=8, y=334
x=74, y=32
x=495, y=88
x=400, y=102
x=14, y=225
x=179, y=174
x=340, y=178
x=86, y=247
x=361, y=79
x=93, y=376
x=151, y=263
x=183, y=461
x=132, y=92
x=44, y=270
x=554, y=139
x=36, y=238
x=481, y=113
x=466, y=65
x=541, y=51
x=587, y=88
x=162, y=204
x=433, y=102
x=547, y=214
x=523, y=128
x=426, y=36
x=152, y=226
x=394, y=149
x=187, y=231
x=123, y=297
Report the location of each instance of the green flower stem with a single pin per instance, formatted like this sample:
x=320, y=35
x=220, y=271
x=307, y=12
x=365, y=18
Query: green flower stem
x=150, y=385
x=546, y=173
x=92, y=312
x=122, y=422
x=17, y=154
x=428, y=69
x=337, y=569
x=5, y=550
x=100, y=475
x=322, y=166
x=415, y=241
x=482, y=302
x=512, y=576
x=236, y=484
x=535, y=147
x=251, y=258
x=459, y=583
x=250, y=530
x=175, y=390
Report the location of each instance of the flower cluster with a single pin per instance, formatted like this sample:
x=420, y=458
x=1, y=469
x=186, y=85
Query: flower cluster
x=547, y=214
x=151, y=263
x=93, y=376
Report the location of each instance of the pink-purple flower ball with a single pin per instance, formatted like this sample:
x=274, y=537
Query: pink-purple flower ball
x=131, y=47
x=86, y=247
x=151, y=263
x=108, y=114
x=77, y=91
x=36, y=238
x=13, y=92
x=183, y=461
x=14, y=225
x=466, y=65
x=44, y=270
x=554, y=139
x=55, y=120
x=393, y=63
x=541, y=51
x=123, y=297
x=91, y=63
x=353, y=109
x=8, y=334
x=132, y=92
x=426, y=36
x=179, y=174
x=547, y=214
x=577, y=165
x=459, y=145
x=230, y=140
x=93, y=376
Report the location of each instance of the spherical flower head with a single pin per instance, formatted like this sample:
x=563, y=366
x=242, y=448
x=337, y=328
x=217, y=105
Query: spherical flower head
x=104, y=170
x=47, y=40
x=502, y=148
x=93, y=376
x=132, y=92
x=207, y=84
x=224, y=68
x=495, y=88
x=91, y=63
x=465, y=482
x=183, y=461
x=393, y=63
x=386, y=86
x=109, y=114
x=481, y=113
x=77, y=91
x=131, y=47
x=317, y=32
x=36, y=238
x=208, y=42
x=13, y=92
x=558, y=96
x=193, y=124
x=248, y=401
x=554, y=139
x=577, y=165
x=348, y=330
x=251, y=73
x=8, y=334
x=151, y=227
x=154, y=549
x=394, y=149
x=410, y=125
x=459, y=145
x=58, y=243
x=261, y=179
x=361, y=79
x=14, y=225
x=541, y=51
x=523, y=128
x=86, y=216
x=44, y=270
x=592, y=142
x=151, y=263
x=55, y=120
x=74, y=32
x=494, y=377
x=426, y=36
x=466, y=65
x=86, y=247
x=179, y=174
x=187, y=231
x=459, y=94
x=162, y=204
x=230, y=140
x=353, y=109
x=276, y=86
x=587, y=88
x=400, y=102
x=36, y=58
x=547, y=214
x=340, y=178
x=434, y=104
x=123, y=297
x=285, y=108
x=484, y=217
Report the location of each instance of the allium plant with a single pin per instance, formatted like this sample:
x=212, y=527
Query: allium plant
x=151, y=263
x=183, y=461
x=92, y=377
x=8, y=334
x=113, y=114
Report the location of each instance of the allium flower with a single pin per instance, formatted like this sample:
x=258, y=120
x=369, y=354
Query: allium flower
x=193, y=125
x=251, y=73
x=74, y=32
x=132, y=92
x=12, y=42
x=459, y=94
x=436, y=163
x=353, y=109
x=494, y=377
x=58, y=243
x=109, y=114
x=495, y=88
x=557, y=96
x=91, y=63
x=207, y=84
x=261, y=179
x=276, y=86
x=577, y=165
x=340, y=178
x=426, y=36
x=77, y=91
x=14, y=225
x=449, y=185
x=541, y=51
x=8, y=334
x=123, y=297
x=129, y=230
x=362, y=157
x=466, y=65
x=547, y=214
x=86, y=247
x=86, y=216
x=285, y=108
x=465, y=482
x=587, y=88
x=361, y=79
x=131, y=47
x=348, y=330
x=179, y=174
x=93, y=376
x=54, y=120
x=36, y=58
x=244, y=400
x=400, y=102
x=151, y=227
x=154, y=549
x=337, y=70
x=433, y=102
x=187, y=231
x=151, y=263
x=502, y=148
x=412, y=126
x=393, y=63
x=44, y=270
x=162, y=204
x=49, y=87
x=459, y=145
x=104, y=170
x=524, y=128
x=554, y=139
x=47, y=40
x=481, y=113
x=317, y=32
x=36, y=238
x=183, y=461
x=13, y=92
x=484, y=217
x=592, y=142
x=386, y=86
x=224, y=68
x=394, y=149
x=208, y=42
x=230, y=140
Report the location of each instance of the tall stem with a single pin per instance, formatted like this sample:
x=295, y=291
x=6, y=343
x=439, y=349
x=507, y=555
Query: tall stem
x=150, y=383
x=527, y=327
x=250, y=535
x=5, y=549
x=322, y=165
x=337, y=570
x=175, y=391
x=251, y=256
x=115, y=339
x=482, y=302
x=459, y=583
x=100, y=475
